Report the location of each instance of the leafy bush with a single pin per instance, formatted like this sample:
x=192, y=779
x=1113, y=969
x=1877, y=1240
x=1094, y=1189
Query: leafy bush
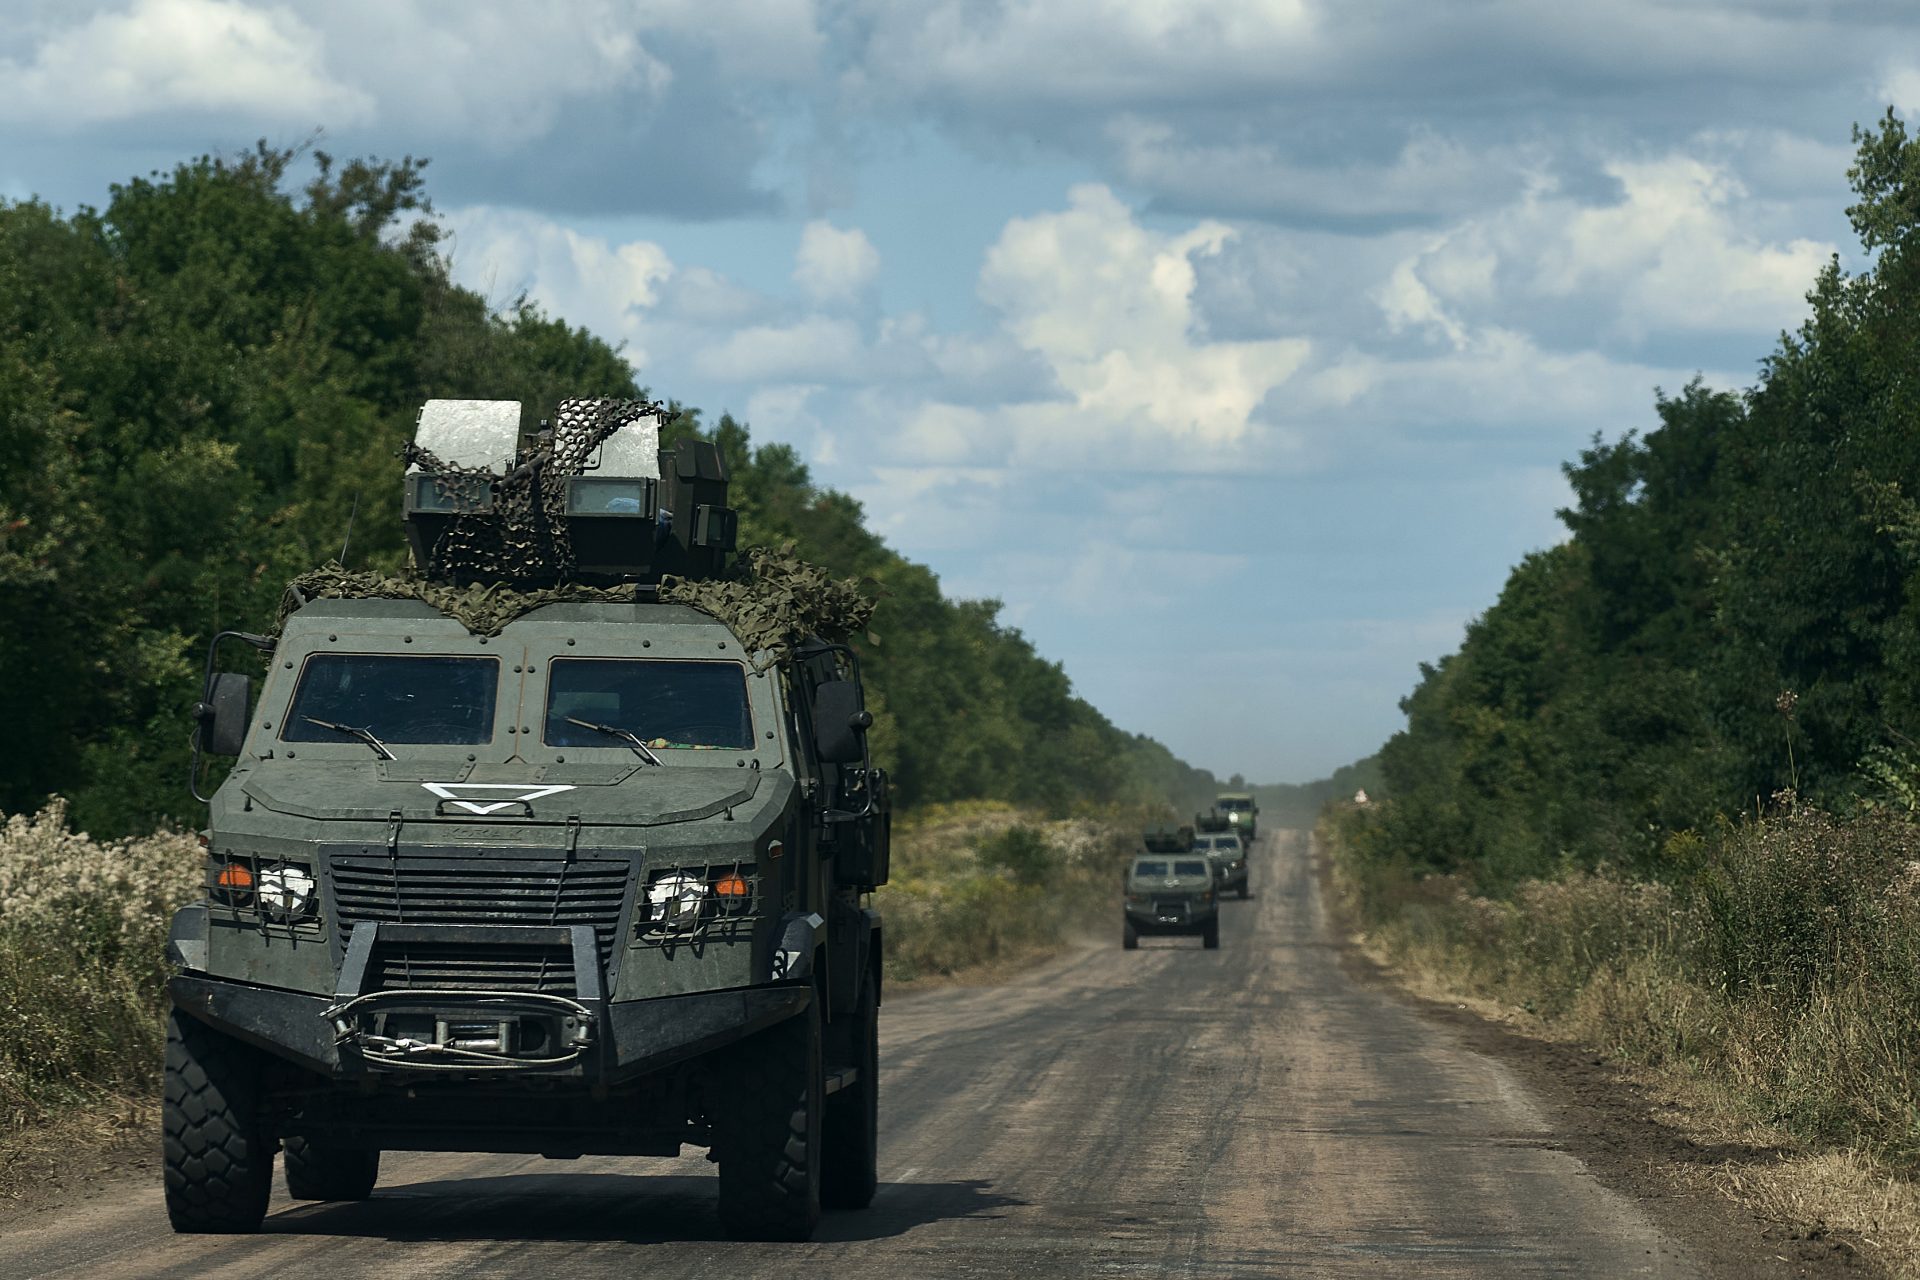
x=1022, y=853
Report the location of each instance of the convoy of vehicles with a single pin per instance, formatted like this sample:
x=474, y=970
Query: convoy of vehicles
x=1163, y=893
x=589, y=881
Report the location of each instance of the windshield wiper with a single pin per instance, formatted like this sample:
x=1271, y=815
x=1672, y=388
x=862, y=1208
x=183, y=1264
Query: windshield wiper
x=625, y=735
x=365, y=735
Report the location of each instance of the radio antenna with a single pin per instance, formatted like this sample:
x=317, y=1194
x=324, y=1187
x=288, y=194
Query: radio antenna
x=349, y=538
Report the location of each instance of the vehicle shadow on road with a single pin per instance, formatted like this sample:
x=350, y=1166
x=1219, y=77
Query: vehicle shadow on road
x=612, y=1207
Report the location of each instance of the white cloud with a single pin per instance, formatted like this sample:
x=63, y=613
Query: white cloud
x=834, y=265
x=583, y=279
x=815, y=346
x=494, y=71
x=1081, y=50
x=1675, y=253
x=160, y=56
x=1902, y=87
x=1108, y=305
x=1684, y=261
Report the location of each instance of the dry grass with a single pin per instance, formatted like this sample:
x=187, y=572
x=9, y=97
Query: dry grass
x=1771, y=986
x=83, y=926
x=981, y=889
x=1840, y=1192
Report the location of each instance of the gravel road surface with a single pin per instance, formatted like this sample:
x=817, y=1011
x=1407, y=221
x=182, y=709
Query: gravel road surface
x=1250, y=1111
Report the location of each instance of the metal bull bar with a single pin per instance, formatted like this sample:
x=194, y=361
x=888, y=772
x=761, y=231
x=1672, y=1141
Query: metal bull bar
x=436, y=1029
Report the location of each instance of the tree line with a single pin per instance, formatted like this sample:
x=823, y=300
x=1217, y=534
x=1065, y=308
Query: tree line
x=202, y=381
x=1734, y=619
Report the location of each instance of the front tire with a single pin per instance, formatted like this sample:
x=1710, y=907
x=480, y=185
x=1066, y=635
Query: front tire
x=316, y=1171
x=1129, y=936
x=850, y=1173
x=217, y=1156
x=1210, y=936
x=768, y=1121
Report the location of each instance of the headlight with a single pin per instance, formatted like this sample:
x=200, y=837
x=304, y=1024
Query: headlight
x=286, y=891
x=674, y=901
x=1233, y=817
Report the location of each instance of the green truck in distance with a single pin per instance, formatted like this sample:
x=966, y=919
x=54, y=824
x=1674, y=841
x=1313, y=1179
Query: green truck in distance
x=522, y=855
x=1241, y=813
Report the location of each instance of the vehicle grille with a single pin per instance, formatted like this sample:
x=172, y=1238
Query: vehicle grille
x=444, y=966
x=1170, y=906
x=427, y=890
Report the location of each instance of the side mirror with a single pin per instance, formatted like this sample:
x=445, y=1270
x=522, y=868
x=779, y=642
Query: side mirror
x=840, y=723
x=221, y=720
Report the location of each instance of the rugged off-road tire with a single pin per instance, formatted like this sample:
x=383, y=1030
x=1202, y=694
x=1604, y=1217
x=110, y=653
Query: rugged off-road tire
x=1129, y=936
x=768, y=1127
x=1243, y=891
x=218, y=1157
x=1210, y=936
x=316, y=1171
x=850, y=1147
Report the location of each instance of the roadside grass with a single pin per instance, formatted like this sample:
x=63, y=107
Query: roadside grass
x=978, y=888
x=1773, y=980
x=83, y=926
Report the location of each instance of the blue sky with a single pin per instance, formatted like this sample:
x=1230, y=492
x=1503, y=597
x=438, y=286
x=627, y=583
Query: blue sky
x=1233, y=344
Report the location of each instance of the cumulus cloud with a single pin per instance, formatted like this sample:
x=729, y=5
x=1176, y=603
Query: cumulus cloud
x=1672, y=254
x=1107, y=303
x=834, y=265
x=161, y=56
x=585, y=279
x=494, y=76
x=1901, y=87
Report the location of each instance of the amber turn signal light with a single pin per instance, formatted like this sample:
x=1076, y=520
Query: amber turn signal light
x=731, y=885
x=234, y=876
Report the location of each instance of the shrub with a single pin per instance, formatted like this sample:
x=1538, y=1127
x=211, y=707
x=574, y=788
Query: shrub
x=83, y=927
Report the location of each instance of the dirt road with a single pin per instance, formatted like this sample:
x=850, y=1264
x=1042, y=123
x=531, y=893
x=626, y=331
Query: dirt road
x=1243, y=1112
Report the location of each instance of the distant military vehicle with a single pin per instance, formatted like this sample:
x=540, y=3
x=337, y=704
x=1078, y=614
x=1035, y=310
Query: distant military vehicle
x=1170, y=894
x=1241, y=813
x=527, y=853
x=1227, y=856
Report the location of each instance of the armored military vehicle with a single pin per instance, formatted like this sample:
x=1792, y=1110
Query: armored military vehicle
x=1241, y=813
x=1227, y=856
x=1170, y=894
x=558, y=845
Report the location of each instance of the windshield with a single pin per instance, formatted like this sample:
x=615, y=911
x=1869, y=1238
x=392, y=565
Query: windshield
x=1190, y=869
x=1150, y=868
x=667, y=704
x=421, y=700
x=1233, y=806
x=1220, y=842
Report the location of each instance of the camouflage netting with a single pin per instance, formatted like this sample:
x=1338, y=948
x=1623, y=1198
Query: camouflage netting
x=775, y=599
x=483, y=610
x=513, y=526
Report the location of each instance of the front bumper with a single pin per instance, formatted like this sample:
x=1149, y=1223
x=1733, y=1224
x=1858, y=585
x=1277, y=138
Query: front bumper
x=359, y=1035
x=1156, y=918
